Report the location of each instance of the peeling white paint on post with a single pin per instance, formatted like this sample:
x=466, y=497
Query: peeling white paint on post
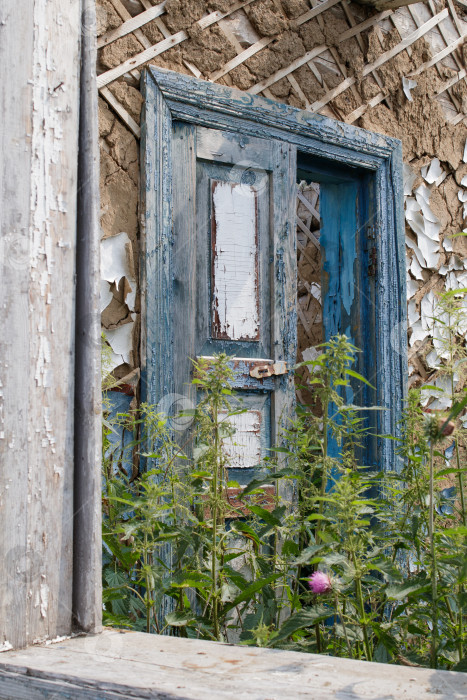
x=243, y=449
x=39, y=50
x=235, y=297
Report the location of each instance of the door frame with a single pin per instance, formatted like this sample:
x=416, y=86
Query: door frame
x=170, y=96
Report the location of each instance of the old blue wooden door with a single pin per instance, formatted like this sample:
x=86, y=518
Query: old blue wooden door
x=219, y=175
x=234, y=276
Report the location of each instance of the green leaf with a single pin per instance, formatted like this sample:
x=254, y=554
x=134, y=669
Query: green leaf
x=358, y=376
x=236, y=577
x=451, y=470
x=270, y=479
x=399, y=591
x=455, y=411
x=265, y=515
x=110, y=594
x=245, y=529
x=253, y=588
x=303, y=619
x=123, y=554
x=461, y=665
x=459, y=530
x=290, y=548
x=308, y=553
x=382, y=655
x=179, y=618
x=454, y=292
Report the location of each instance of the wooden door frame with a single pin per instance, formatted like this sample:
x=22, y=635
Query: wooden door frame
x=171, y=96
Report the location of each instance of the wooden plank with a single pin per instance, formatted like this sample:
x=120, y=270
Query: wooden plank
x=452, y=81
x=241, y=378
x=298, y=90
x=241, y=58
x=406, y=42
x=460, y=117
x=319, y=104
x=185, y=270
x=283, y=72
x=366, y=24
x=131, y=25
x=284, y=310
x=38, y=174
x=119, y=109
x=454, y=16
x=255, y=116
x=308, y=204
x=445, y=35
x=235, y=292
x=357, y=113
x=315, y=11
x=164, y=45
x=125, y=15
x=87, y=481
x=383, y=58
x=15, y=194
x=226, y=156
x=338, y=209
x=243, y=449
x=157, y=369
x=119, y=664
x=254, y=48
x=438, y=57
x=219, y=145
x=310, y=235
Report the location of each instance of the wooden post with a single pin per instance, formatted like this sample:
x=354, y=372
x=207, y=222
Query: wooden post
x=39, y=103
x=87, y=545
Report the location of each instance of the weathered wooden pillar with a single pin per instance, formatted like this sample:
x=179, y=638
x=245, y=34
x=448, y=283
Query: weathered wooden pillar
x=40, y=44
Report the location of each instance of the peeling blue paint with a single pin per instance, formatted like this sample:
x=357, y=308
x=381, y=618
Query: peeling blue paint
x=338, y=244
x=172, y=96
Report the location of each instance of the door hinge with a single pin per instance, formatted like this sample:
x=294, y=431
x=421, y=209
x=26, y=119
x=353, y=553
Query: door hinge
x=267, y=369
x=372, y=266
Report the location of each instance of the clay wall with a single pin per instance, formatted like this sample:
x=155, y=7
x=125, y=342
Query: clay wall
x=401, y=73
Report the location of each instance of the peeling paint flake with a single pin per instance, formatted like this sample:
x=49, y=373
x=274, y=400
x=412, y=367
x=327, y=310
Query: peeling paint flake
x=106, y=295
x=433, y=172
x=120, y=340
x=407, y=85
x=412, y=287
x=416, y=269
x=243, y=449
x=235, y=299
x=117, y=262
x=44, y=599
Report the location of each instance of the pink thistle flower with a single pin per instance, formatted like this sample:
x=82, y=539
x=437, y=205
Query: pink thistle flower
x=319, y=582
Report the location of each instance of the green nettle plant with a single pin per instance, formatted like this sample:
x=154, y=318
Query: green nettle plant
x=341, y=559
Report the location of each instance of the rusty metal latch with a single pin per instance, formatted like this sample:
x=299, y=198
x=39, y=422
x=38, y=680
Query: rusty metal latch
x=262, y=370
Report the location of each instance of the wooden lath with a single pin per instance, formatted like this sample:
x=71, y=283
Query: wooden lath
x=150, y=13
x=164, y=45
x=308, y=249
x=131, y=25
